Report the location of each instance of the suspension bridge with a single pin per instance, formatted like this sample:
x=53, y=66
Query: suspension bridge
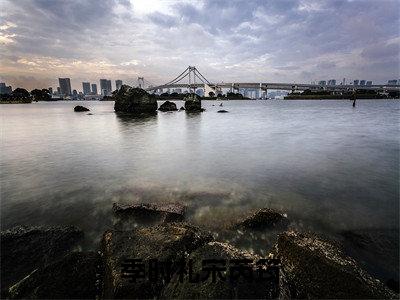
x=191, y=79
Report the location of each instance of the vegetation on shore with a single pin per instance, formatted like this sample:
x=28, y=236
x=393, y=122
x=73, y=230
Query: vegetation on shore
x=359, y=94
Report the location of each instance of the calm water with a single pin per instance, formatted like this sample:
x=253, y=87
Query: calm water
x=328, y=166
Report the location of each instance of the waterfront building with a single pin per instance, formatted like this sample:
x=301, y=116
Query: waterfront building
x=118, y=84
x=65, y=86
x=368, y=83
x=362, y=82
x=392, y=82
x=94, y=89
x=105, y=87
x=86, y=88
x=355, y=82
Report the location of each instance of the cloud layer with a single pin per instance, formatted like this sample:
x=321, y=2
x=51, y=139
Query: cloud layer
x=281, y=40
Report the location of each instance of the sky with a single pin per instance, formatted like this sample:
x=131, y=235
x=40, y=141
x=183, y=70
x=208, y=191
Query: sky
x=228, y=41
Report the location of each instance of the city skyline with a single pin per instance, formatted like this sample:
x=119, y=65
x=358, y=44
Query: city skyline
x=276, y=41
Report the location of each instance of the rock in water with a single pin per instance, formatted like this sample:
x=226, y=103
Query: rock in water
x=169, y=242
x=80, y=108
x=316, y=268
x=222, y=111
x=150, y=214
x=193, y=103
x=264, y=218
x=72, y=277
x=244, y=286
x=182, y=108
x=168, y=106
x=24, y=249
x=134, y=101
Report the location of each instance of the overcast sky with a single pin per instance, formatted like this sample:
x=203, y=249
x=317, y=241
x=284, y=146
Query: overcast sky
x=251, y=41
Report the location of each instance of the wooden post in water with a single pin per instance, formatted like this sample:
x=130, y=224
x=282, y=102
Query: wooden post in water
x=353, y=97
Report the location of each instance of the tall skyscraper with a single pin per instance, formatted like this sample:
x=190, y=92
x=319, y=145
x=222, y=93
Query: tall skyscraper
x=94, y=89
x=105, y=87
x=86, y=88
x=118, y=84
x=65, y=86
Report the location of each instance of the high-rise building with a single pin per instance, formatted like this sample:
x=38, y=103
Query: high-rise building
x=362, y=82
x=355, y=82
x=105, y=87
x=65, y=86
x=86, y=88
x=118, y=84
x=368, y=83
x=94, y=89
x=2, y=88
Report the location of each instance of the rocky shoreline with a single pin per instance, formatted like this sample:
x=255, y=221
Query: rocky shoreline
x=47, y=262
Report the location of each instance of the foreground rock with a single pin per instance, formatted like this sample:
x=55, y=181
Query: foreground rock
x=24, y=249
x=168, y=106
x=75, y=276
x=193, y=103
x=169, y=242
x=264, y=218
x=134, y=101
x=149, y=214
x=245, y=286
x=80, y=108
x=315, y=268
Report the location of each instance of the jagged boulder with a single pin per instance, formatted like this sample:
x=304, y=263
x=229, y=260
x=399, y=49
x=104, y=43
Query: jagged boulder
x=24, y=249
x=193, y=103
x=168, y=106
x=317, y=268
x=199, y=284
x=80, y=108
x=75, y=276
x=166, y=243
x=264, y=218
x=134, y=101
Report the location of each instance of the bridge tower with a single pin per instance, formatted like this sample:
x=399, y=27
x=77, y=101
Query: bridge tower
x=140, y=81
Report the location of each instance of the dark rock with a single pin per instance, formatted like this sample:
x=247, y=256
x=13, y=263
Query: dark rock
x=72, y=277
x=80, y=108
x=167, y=242
x=264, y=218
x=24, y=249
x=150, y=214
x=222, y=111
x=193, y=103
x=134, y=101
x=182, y=108
x=376, y=250
x=168, y=106
x=241, y=288
x=317, y=268
x=90, y=114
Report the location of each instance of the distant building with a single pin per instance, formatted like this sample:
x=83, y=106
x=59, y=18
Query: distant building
x=362, y=82
x=65, y=86
x=74, y=93
x=86, y=88
x=105, y=87
x=392, y=82
x=50, y=90
x=322, y=82
x=332, y=82
x=118, y=84
x=368, y=83
x=355, y=82
x=5, y=89
x=58, y=90
x=344, y=81
x=94, y=89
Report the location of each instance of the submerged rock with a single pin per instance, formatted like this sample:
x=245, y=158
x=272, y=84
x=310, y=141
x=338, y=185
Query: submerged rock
x=245, y=286
x=316, y=268
x=134, y=101
x=168, y=106
x=24, y=249
x=168, y=242
x=222, y=111
x=264, y=218
x=150, y=214
x=75, y=276
x=80, y=108
x=193, y=103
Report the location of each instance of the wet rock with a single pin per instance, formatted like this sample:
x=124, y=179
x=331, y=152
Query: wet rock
x=264, y=218
x=150, y=214
x=377, y=250
x=316, y=268
x=167, y=242
x=134, y=101
x=75, y=276
x=90, y=114
x=202, y=285
x=24, y=249
x=182, y=108
x=80, y=108
x=168, y=106
x=222, y=111
x=193, y=103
